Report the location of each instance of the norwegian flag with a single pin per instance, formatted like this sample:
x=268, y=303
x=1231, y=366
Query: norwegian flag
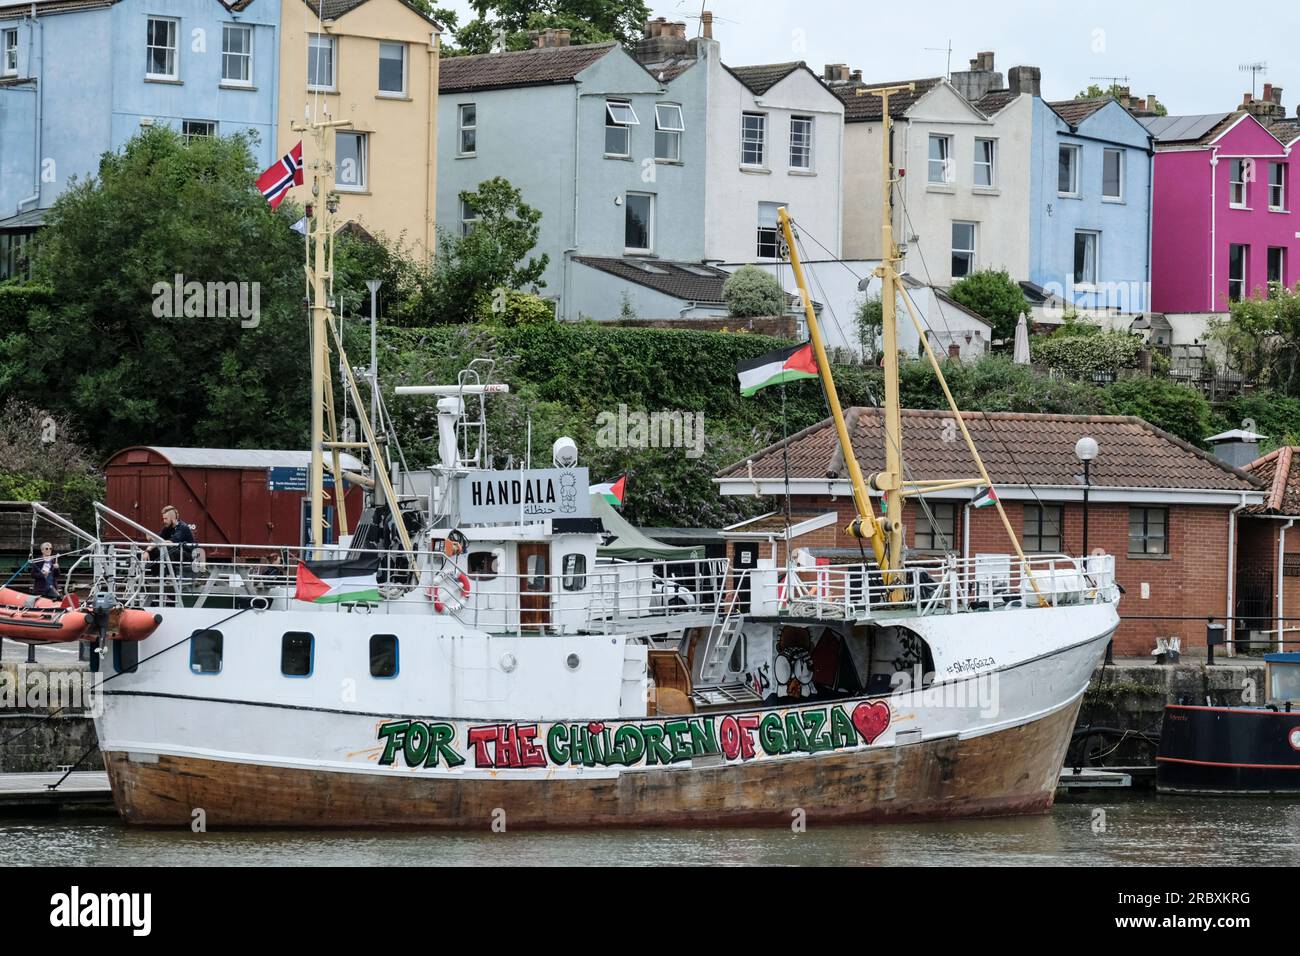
x=276, y=182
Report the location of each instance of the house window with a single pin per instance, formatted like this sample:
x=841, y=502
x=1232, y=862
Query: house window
x=638, y=222
x=392, y=69
x=619, y=118
x=984, y=152
x=1277, y=265
x=936, y=526
x=575, y=572
x=196, y=129
x=940, y=159
x=383, y=655
x=351, y=160
x=1085, y=257
x=753, y=139
x=1043, y=528
x=1237, y=183
x=297, y=649
x=1112, y=175
x=468, y=120
x=161, y=48
x=205, y=652
x=468, y=217
x=1148, y=531
x=1067, y=171
x=1236, y=272
x=9, y=53
x=769, y=231
x=801, y=142
x=320, y=62
x=963, y=249
x=1276, y=186
x=237, y=54
x=668, y=132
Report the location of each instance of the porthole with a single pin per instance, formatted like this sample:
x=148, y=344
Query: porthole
x=573, y=662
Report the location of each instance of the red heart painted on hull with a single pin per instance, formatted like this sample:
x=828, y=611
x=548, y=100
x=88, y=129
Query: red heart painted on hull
x=871, y=719
x=594, y=729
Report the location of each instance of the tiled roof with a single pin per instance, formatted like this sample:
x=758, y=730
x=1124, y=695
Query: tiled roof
x=1018, y=449
x=10, y=9
x=671, y=278
x=1283, y=481
x=866, y=108
x=536, y=67
x=995, y=100
x=1286, y=130
x=333, y=9
x=668, y=70
x=1075, y=112
x=762, y=77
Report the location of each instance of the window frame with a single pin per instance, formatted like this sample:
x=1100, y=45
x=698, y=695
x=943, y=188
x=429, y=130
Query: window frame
x=1145, y=535
x=189, y=137
x=246, y=57
x=8, y=49
x=772, y=233
x=1268, y=266
x=363, y=160
x=1280, y=187
x=948, y=530
x=488, y=575
x=612, y=122
x=1076, y=153
x=747, y=141
x=1241, y=281
x=462, y=127
x=973, y=251
x=333, y=46
x=397, y=657
x=1121, y=159
x=467, y=223
x=650, y=224
x=219, y=644
x=1042, y=520
x=1235, y=185
x=809, y=144
x=174, y=36
x=311, y=653
x=404, y=92
x=1095, y=236
x=575, y=578
x=669, y=134
x=991, y=163
x=948, y=176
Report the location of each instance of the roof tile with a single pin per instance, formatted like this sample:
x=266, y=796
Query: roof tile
x=866, y=108
x=540, y=66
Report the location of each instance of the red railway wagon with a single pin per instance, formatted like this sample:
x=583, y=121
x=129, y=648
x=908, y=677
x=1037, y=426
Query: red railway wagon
x=229, y=495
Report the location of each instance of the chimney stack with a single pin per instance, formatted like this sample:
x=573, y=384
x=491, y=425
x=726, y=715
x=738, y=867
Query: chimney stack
x=1268, y=107
x=550, y=37
x=663, y=41
x=979, y=79
x=706, y=23
x=856, y=77
x=836, y=73
x=1025, y=79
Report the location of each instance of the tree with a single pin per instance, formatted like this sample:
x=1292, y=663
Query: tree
x=1115, y=90
x=871, y=321
x=505, y=24
x=994, y=295
x=45, y=461
x=752, y=292
x=1176, y=408
x=1261, y=337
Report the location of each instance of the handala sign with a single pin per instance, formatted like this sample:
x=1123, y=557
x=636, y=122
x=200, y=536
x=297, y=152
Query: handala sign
x=501, y=497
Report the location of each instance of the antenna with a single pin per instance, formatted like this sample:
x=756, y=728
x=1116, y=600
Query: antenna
x=1254, y=69
x=947, y=50
x=1114, y=81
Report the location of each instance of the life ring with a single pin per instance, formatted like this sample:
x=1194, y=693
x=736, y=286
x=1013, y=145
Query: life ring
x=438, y=604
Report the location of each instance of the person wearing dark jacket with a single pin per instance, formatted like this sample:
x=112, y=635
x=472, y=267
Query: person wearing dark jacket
x=45, y=573
x=181, y=536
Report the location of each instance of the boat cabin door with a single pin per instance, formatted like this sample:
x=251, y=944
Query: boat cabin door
x=744, y=559
x=534, y=559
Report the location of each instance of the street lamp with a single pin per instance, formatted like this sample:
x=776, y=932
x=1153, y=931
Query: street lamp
x=1085, y=449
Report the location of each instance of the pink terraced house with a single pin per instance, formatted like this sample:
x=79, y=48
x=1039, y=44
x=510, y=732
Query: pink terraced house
x=1222, y=221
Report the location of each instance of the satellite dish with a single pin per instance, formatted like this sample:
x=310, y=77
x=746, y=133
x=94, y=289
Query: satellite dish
x=564, y=453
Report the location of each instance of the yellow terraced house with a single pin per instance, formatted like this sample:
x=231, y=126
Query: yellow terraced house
x=374, y=62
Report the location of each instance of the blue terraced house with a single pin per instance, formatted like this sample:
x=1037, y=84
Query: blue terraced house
x=79, y=78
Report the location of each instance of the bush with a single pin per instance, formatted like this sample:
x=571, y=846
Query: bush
x=1087, y=354
x=994, y=295
x=510, y=307
x=16, y=301
x=752, y=292
x=1178, y=409
x=45, y=461
x=1270, y=413
x=871, y=321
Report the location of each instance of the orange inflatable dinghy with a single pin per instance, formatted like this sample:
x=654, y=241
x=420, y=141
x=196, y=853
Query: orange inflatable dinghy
x=27, y=618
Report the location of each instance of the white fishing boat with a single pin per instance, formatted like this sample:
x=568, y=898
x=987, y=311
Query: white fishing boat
x=467, y=659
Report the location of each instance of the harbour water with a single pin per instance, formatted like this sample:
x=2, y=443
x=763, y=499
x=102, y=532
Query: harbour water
x=1129, y=830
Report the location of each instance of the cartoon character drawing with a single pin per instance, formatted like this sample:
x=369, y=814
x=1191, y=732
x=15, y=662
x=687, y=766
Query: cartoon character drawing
x=568, y=493
x=793, y=668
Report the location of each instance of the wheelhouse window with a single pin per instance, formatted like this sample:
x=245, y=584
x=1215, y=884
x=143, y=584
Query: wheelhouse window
x=1237, y=183
x=1236, y=272
x=392, y=69
x=1148, y=531
x=1067, y=171
x=161, y=48
x=1043, y=528
x=940, y=165
x=638, y=222
x=468, y=122
x=669, y=127
x=320, y=62
x=936, y=526
x=1277, y=186
x=297, y=653
x=1277, y=265
x=574, y=572
x=801, y=143
x=9, y=52
x=619, y=120
x=198, y=129
x=753, y=139
x=963, y=249
x=237, y=54
x=1112, y=175
x=205, y=652
x=1085, y=257
x=351, y=160
x=985, y=152
x=769, y=231
x=383, y=655
x=483, y=565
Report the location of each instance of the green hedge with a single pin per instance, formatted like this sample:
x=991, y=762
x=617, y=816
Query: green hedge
x=16, y=301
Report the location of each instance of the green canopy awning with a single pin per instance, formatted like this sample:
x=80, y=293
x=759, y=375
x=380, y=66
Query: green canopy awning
x=630, y=544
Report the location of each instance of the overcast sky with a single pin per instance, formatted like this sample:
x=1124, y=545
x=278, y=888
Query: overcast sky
x=1187, y=52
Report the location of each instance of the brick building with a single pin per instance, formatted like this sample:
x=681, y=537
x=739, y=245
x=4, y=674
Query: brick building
x=1167, y=510
x=1268, y=567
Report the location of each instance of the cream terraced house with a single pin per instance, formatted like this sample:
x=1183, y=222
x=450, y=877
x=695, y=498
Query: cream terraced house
x=374, y=62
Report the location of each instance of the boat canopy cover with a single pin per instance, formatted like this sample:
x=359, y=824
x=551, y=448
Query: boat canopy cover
x=1284, y=657
x=630, y=544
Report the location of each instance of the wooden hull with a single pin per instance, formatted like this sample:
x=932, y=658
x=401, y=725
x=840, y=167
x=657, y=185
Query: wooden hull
x=1011, y=771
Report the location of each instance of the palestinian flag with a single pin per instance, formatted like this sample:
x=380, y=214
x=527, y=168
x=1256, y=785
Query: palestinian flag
x=611, y=491
x=332, y=582
x=783, y=365
x=984, y=497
